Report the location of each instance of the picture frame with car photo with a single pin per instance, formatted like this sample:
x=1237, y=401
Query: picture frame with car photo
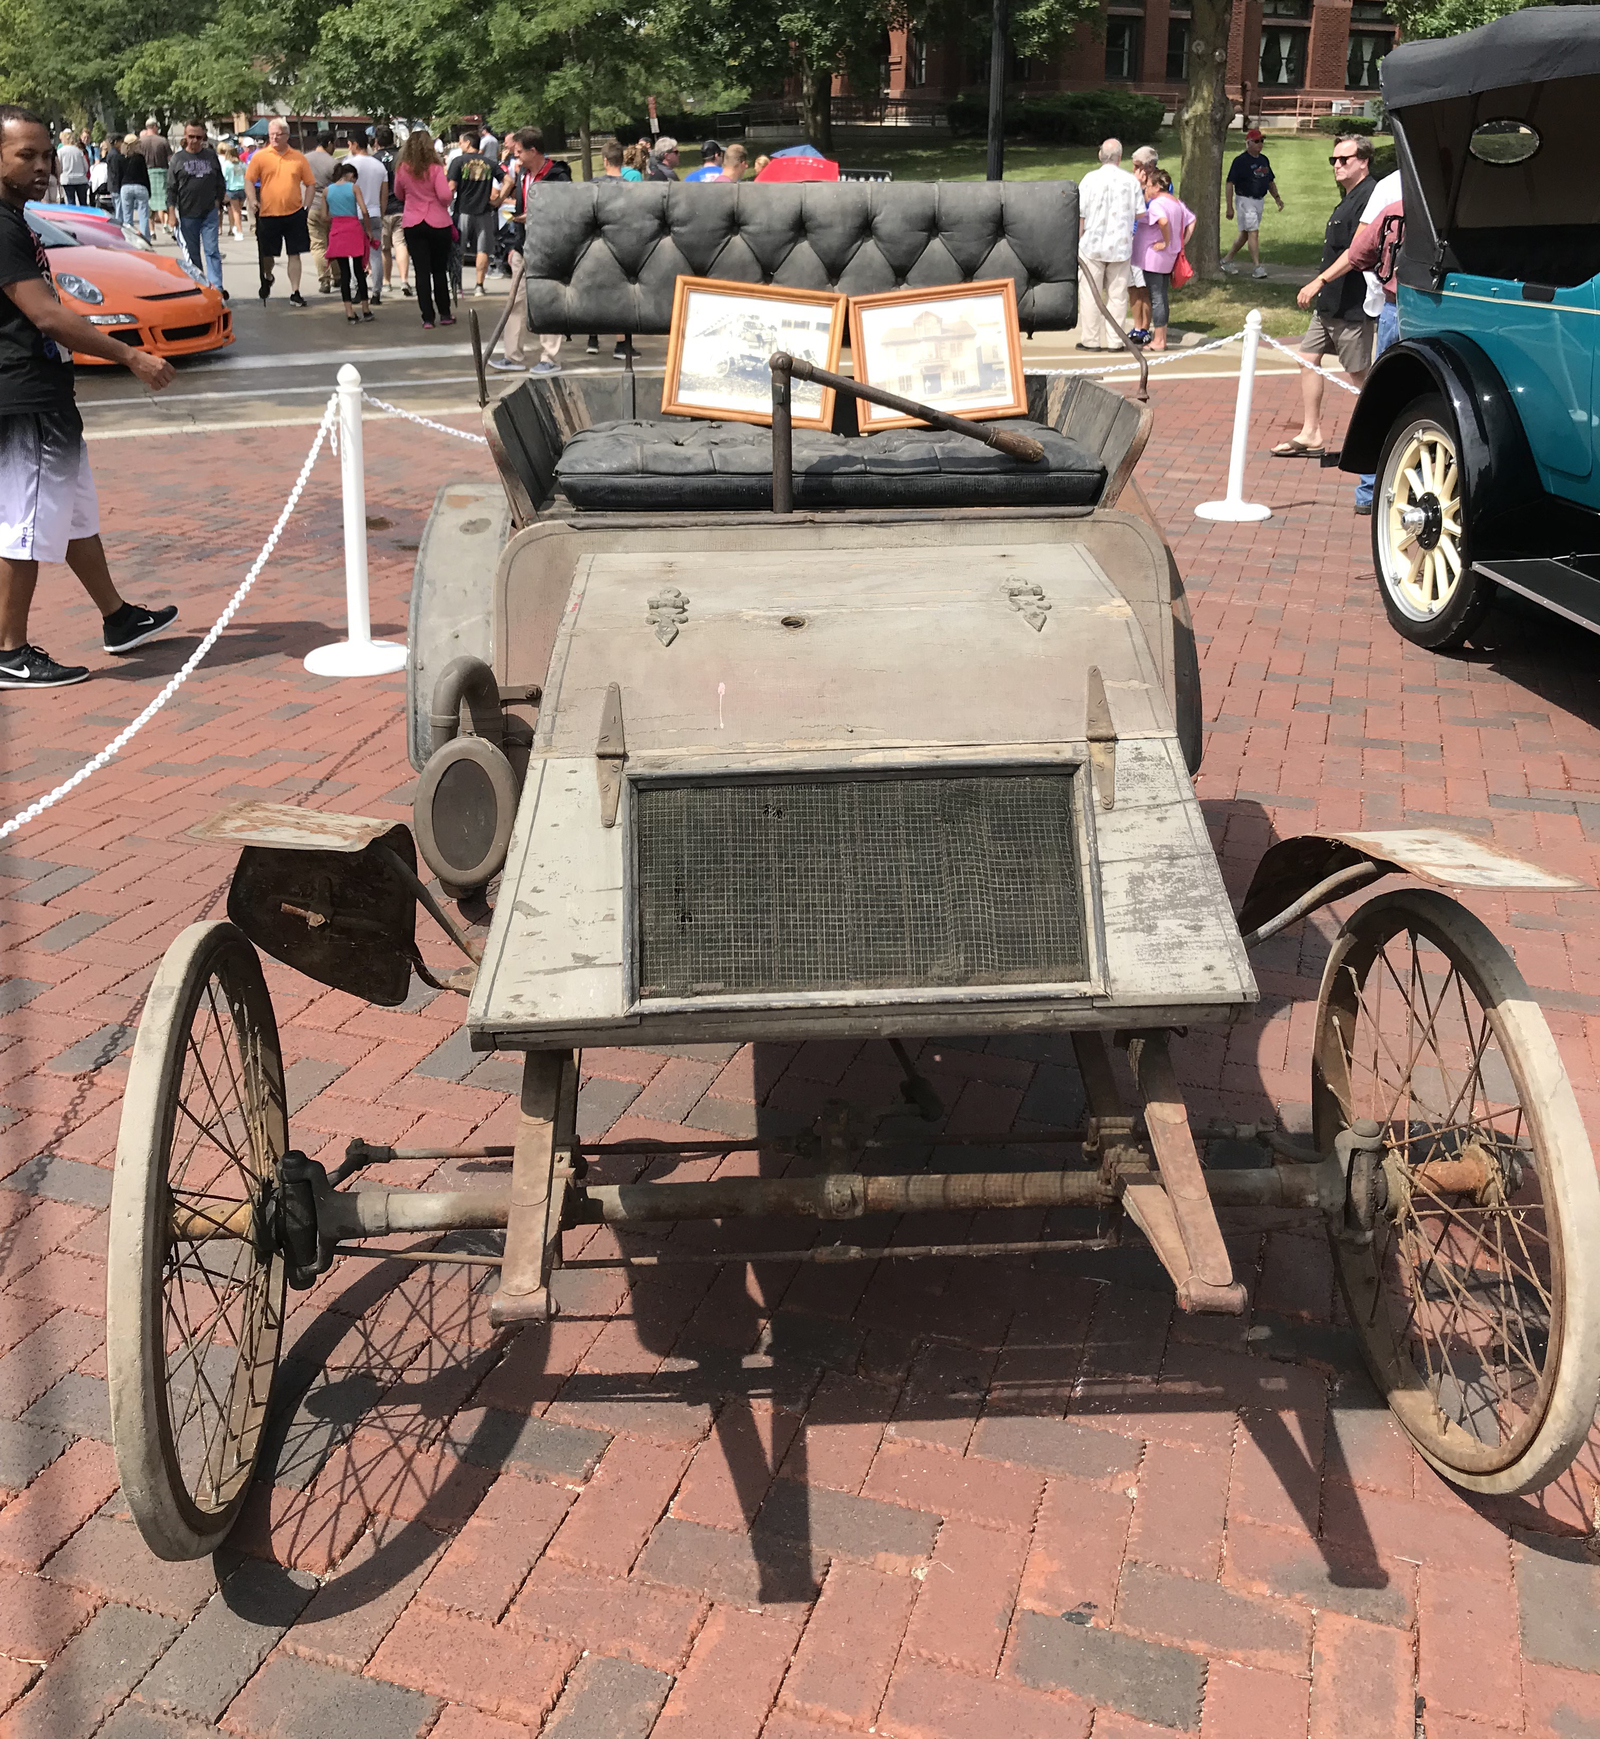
x=723, y=334
x=957, y=348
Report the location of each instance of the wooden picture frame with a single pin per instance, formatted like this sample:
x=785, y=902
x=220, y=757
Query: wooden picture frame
x=724, y=332
x=975, y=373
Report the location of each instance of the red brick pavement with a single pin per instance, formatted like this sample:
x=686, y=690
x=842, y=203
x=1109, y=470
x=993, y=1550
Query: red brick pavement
x=930, y=1500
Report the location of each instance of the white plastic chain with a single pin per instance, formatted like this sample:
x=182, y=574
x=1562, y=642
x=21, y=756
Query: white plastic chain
x=126, y=735
x=1327, y=374
x=1155, y=361
x=426, y=422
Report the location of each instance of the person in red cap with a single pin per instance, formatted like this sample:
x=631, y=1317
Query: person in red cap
x=1250, y=181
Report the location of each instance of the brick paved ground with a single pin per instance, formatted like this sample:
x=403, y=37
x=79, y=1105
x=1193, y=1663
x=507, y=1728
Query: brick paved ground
x=926, y=1500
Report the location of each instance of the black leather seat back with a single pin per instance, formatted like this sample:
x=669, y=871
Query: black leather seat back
x=605, y=256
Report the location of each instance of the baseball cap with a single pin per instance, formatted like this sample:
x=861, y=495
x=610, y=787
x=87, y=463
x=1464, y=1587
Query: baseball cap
x=711, y=149
x=1254, y=135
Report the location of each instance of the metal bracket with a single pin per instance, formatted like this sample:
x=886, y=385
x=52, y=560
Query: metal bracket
x=541, y=1175
x=1101, y=734
x=610, y=751
x=669, y=610
x=1029, y=602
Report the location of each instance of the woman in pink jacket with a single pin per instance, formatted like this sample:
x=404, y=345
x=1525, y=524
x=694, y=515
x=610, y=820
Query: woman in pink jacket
x=1163, y=227
x=420, y=180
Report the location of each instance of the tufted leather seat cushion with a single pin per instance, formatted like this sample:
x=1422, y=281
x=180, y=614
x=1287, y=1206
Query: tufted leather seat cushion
x=604, y=256
x=679, y=467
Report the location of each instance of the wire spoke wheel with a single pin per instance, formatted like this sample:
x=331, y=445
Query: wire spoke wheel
x=195, y=1308
x=1468, y=1253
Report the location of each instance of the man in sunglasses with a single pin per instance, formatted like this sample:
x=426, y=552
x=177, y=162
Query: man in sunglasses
x=1340, y=325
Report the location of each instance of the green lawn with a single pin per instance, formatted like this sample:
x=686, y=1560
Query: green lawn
x=1292, y=237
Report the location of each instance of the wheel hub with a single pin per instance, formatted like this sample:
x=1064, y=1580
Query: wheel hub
x=1428, y=522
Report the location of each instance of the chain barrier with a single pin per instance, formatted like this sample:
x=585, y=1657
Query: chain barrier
x=119, y=742
x=1150, y=361
x=1327, y=374
x=424, y=422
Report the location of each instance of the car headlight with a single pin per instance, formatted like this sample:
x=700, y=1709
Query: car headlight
x=192, y=270
x=79, y=288
x=113, y=319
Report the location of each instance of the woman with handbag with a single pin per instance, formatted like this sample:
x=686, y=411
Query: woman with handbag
x=1163, y=228
x=420, y=180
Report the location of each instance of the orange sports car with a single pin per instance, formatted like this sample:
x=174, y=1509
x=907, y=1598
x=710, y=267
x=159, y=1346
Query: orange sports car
x=140, y=298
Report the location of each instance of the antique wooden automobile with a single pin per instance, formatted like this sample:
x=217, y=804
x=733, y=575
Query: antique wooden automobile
x=869, y=771
x=1481, y=423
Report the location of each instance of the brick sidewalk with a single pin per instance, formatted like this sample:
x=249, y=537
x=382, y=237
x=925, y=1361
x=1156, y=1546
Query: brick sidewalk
x=930, y=1499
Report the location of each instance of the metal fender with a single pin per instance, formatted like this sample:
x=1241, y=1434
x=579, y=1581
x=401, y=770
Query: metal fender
x=1499, y=477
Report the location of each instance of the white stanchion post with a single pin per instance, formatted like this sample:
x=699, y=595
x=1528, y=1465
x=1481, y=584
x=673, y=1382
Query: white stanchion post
x=1233, y=505
x=358, y=654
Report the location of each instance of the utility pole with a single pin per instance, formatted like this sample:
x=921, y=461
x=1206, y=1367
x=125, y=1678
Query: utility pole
x=997, y=94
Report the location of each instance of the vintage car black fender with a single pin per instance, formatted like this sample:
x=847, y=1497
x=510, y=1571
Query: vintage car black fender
x=1499, y=478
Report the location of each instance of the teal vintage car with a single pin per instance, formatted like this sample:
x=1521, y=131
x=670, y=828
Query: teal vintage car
x=1481, y=422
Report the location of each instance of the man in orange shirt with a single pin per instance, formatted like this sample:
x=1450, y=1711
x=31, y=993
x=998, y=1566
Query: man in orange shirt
x=279, y=183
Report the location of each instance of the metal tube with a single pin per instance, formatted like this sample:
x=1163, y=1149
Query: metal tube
x=376, y=1213
x=994, y=435
x=826, y=1254
x=782, y=436
x=1351, y=874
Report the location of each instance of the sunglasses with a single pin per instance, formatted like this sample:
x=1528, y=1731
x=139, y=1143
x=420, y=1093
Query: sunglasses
x=1349, y=157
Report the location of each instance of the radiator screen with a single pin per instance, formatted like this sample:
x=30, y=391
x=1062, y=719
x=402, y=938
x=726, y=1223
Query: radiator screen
x=853, y=884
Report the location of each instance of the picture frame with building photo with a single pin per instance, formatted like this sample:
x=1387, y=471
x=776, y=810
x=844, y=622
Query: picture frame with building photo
x=723, y=334
x=957, y=348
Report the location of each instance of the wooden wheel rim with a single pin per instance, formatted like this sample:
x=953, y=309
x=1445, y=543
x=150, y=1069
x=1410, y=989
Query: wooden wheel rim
x=1420, y=528
x=1518, y=1301
x=194, y=1324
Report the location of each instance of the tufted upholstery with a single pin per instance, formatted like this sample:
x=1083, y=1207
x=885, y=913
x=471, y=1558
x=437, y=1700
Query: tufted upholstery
x=707, y=466
x=605, y=256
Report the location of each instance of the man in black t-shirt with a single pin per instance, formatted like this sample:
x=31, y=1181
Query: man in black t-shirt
x=1340, y=325
x=473, y=177
x=48, y=508
x=196, y=192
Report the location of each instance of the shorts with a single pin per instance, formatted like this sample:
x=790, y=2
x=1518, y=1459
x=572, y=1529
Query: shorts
x=1136, y=277
x=158, y=189
x=1249, y=211
x=477, y=233
x=47, y=494
x=1351, y=340
x=291, y=232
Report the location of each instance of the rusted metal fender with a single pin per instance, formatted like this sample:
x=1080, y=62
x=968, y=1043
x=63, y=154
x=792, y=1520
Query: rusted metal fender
x=1293, y=867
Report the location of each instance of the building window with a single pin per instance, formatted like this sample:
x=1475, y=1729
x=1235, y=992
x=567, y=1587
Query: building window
x=1122, y=47
x=1370, y=12
x=1286, y=9
x=1283, y=58
x=1367, y=49
x=916, y=61
x=1177, y=49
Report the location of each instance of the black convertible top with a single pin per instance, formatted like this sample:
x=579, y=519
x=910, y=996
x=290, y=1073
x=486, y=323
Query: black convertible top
x=1523, y=48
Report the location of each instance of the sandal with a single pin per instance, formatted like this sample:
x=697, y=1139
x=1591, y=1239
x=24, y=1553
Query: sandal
x=1295, y=450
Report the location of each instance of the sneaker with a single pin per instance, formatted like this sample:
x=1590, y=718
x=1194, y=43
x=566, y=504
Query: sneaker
x=1231, y=270
x=505, y=367
x=405, y=289
x=427, y=325
x=542, y=367
x=376, y=302
x=622, y=352
x=266, y=290
x=1259, y=272
x=132, y=625
x=296, y=300
x=1364, y=509
x=592, y=348
x=480, y=291
x=32, y=667
x=447, y=319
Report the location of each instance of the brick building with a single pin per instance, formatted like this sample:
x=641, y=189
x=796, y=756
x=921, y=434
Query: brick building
x=1294, y=56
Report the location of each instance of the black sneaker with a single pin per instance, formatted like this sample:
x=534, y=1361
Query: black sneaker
x=132, y=625
x=592, y=348
x=30, y=667
x=622, y=352
x=296, y=300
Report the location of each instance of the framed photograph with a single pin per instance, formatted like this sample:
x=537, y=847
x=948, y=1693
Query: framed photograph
x=957, y=348
x=722, y=336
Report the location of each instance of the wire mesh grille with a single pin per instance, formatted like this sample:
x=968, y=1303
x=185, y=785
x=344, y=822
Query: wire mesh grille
x=841, y=884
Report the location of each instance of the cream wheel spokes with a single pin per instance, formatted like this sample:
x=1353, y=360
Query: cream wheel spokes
x=1420, y=534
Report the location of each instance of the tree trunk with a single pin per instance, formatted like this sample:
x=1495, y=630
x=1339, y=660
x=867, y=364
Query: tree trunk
x=816, y=101
x=586, y=146
x=1203, y=130
x=997, y=93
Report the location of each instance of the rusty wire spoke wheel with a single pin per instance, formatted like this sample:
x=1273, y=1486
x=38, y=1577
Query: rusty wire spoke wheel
x=1469, y=1256
x=194, y=1309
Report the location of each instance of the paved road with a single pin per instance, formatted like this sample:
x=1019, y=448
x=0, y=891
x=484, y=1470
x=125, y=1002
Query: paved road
x=283, y=361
